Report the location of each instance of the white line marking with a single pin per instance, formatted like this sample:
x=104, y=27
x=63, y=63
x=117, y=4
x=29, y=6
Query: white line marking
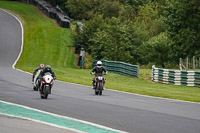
x=161, y=98
x=54, y=125
x=93, y=124
x=22, y=39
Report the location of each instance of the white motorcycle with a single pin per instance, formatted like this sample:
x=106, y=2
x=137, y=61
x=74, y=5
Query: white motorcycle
x=46, y=85
x=36, y=81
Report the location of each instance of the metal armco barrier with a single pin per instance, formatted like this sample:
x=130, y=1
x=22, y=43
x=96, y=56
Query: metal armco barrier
x=176, y=77
x=120, y=68
x=62, y=19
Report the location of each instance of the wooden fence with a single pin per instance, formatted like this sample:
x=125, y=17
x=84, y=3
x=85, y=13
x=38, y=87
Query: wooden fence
x=189, y=63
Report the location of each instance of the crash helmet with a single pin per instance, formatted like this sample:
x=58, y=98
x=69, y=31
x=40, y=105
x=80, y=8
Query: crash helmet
x=48, y=68
x=99, y=64
x=41, y=66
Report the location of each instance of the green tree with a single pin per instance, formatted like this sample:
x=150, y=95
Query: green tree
x=82, y=39
x=136, y=3
x=156, y=50
x=80, y=9
x=149, y=19
x=88, y=9
x=118, y=40
x=60, y=3
x=183, y=19
x=110, y=8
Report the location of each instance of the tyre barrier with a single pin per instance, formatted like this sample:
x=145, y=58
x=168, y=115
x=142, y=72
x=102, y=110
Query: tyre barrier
x=52, y=12
x=120, y=68
x=176, y=77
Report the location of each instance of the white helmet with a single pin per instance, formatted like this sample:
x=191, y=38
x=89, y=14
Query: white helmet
x=99, y=64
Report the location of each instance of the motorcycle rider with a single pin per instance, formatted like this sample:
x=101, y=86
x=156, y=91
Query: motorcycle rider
x=99, y=69
x=47, y=69
x=41, y=68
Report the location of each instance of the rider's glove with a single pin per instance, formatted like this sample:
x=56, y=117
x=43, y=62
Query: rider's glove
x=91, y=73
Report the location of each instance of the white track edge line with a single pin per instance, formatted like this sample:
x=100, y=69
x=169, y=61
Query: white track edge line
x=86, y=122
x=22, y=39
x=46, y=123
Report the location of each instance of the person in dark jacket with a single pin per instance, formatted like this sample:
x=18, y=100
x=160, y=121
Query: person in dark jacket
x=47, y=69
x=98, y=70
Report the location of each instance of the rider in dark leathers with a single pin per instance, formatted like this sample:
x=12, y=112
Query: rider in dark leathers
x=47, y=69
x=99, y=69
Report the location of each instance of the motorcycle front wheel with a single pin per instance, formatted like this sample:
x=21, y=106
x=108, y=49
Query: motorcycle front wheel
x=96, y=92
x=100, y=88
x=46, y=91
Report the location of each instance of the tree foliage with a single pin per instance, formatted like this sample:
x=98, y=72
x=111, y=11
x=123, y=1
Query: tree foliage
x=183, y=19
x=137, y=31
x=156, y=50
x=60, y=3
x=88, y=9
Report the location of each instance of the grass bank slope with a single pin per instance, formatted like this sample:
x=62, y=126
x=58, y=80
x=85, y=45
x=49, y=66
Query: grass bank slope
x=44, y=41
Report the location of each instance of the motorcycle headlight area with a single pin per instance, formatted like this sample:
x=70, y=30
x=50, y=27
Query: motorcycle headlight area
x=48, y=79
x=100, y=77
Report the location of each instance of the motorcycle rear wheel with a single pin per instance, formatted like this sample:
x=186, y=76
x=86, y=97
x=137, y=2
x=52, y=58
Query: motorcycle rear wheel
x=34, y=88
x=42, y=96
x=96, y=92
x=100, y=89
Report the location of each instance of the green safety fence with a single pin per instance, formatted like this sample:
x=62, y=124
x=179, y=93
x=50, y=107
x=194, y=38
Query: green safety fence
x=120, y=68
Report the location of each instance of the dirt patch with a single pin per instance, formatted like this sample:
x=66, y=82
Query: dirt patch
x=148, y=79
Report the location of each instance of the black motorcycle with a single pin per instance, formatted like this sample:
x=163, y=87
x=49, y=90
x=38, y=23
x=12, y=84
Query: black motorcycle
x=99, y=84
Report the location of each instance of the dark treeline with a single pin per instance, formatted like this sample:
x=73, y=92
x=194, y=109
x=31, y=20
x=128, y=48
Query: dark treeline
x=141, y=32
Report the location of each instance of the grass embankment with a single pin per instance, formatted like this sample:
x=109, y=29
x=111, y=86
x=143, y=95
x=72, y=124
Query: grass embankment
x=45, y=42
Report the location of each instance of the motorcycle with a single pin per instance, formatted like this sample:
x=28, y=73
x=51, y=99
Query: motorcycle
x=46, y=85
x=36, y=81
x=99, y=84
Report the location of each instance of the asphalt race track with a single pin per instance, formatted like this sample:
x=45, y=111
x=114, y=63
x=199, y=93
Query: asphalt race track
x=122, y=111
x=16, y=125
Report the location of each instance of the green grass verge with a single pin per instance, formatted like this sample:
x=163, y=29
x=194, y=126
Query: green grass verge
x=44, y=41
x=47, y=43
